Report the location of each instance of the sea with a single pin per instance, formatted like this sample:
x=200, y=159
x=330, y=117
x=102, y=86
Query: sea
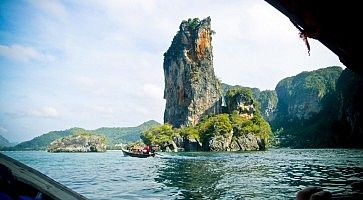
x=271, y=174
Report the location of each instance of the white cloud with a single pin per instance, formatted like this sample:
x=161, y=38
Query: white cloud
x=104, y=109
x=3, y=130
x=52, y=7
x=266, y=24
x=24, y=54
x=153, y=91
x=44, y=112
x=85, y=81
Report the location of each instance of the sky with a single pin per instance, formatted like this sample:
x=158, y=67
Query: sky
x=97, y=63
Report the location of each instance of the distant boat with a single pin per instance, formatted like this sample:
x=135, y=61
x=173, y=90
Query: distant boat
x=138, y=155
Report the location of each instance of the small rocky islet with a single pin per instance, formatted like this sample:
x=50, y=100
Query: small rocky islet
x=199, y=113
x=78, y=143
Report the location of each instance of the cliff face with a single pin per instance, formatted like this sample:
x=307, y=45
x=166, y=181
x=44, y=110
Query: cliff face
x=240, y=100
x=301, y=96
x=350, y=115
x=246, y=142
x=296, y=102
x=79, y=143
x=307, y=108
x=191, y=87
x=268, y=101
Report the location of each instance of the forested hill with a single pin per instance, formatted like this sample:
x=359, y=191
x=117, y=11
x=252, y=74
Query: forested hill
x=303, y=95
x=125, y=134
x=114, y=136
x=321, y=108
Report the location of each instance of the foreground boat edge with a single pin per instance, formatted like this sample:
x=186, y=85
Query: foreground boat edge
x=39, y=181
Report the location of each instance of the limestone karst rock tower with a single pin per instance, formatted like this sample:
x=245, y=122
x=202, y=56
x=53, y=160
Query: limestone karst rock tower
x=191, y=87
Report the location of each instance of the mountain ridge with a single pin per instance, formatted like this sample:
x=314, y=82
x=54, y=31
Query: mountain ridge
x=114, y=136
x=4, y=142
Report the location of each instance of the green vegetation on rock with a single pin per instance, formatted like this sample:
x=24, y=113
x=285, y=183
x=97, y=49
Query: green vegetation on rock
x=189, y=133
x=158, y=135
x=234, y=94
x=265, y=101
x=193, y=23
x=214, y=125
x=219, y=128
x=81, y=141
x=257, y=126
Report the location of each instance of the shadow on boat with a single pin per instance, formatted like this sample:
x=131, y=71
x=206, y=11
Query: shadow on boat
x=18, y=181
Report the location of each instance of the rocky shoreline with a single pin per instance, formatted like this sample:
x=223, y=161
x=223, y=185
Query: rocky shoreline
x=246, y=142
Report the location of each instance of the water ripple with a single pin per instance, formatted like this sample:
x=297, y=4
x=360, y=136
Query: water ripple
x=274, y=174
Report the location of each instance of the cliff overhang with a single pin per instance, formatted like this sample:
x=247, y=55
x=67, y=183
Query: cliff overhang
x=333, y=23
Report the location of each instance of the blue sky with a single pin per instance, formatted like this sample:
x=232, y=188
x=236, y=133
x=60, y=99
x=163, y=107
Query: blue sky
x=98, y=63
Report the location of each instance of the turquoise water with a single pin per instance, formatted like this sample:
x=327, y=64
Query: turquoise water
x=273, y=174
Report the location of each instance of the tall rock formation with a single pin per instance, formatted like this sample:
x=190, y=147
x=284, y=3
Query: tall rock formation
x=191, y=87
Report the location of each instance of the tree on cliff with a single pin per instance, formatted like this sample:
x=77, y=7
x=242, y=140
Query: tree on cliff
x=158, y=135
x=214, y=125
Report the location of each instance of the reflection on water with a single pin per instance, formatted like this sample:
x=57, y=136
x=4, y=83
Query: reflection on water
x=274, y=174
x=193, y=175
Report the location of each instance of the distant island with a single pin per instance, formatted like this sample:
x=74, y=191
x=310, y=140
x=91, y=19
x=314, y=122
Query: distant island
x=82, y=141
x=114, y=136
